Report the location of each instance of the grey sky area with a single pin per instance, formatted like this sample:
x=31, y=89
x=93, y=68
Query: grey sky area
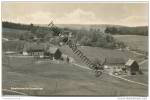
x=129, y=14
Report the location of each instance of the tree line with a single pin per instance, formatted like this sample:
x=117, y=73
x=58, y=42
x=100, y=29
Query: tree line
x=32, y=30
x=141, y=30
x=92, y=37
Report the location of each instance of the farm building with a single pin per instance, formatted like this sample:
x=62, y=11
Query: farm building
x=54, y=53
x=119, y=66
x=115, y=65
x=34, y=49
x=132, y=67
x=41, y=49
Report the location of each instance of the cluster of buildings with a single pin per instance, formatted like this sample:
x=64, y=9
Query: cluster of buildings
x=42, y=50
x=45, y=51
x=119, y=66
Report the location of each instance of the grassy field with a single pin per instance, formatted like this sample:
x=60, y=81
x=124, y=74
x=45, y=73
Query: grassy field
x=12, y=33
x=134, y=41
x=13, y=45
x=62, y=79
x=101, y=53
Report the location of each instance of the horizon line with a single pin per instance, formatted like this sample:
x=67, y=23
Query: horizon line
x=78, y=24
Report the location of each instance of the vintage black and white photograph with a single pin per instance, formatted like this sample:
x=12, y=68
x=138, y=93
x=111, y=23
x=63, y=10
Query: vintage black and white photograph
x=74, y=48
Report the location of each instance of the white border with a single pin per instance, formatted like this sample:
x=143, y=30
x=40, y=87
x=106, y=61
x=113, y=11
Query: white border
x=71, y=98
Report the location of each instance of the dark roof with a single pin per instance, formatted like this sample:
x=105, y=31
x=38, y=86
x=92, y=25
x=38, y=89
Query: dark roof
x=34, y=46
x=115, y=61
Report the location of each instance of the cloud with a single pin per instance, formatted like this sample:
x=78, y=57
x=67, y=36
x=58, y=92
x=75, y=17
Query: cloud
x=36, y=18
x=78, y=16
x=135, y=21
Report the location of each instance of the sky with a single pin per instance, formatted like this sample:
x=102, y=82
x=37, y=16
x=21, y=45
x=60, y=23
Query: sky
x=128, y=14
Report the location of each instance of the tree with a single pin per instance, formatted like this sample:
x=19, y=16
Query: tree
x=31, y=26
x=111, y=30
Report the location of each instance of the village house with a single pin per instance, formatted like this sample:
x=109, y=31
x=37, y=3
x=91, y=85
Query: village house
x=42, y=50
x=119, y=66
x=132, y=67
x=34, y=49
x=115, y=66
x=54, y=53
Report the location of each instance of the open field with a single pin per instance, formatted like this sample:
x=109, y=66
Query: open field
x=12, y=33
x=62, y=79
x=134, y=41
x=101, y=53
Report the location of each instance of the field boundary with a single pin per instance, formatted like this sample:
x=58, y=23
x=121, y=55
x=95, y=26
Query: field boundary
x=143, y=62
x=114, y=76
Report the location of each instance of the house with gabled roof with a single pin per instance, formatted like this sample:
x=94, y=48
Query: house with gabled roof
x=34, y=49
x=54, y=53
x=119, y=66
x=132, y=67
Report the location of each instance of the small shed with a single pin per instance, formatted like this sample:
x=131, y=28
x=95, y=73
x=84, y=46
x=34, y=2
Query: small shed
x=132, y=67
x=54, y=53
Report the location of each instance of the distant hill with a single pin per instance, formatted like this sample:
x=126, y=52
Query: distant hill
x=101, y=27
x=119, y=29
x=112, y=29
x=140, y=30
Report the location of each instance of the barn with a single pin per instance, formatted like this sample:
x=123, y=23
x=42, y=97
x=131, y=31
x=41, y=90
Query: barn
x=132, y=67
x=115, y=66
x=54, y=53
x=34, y=49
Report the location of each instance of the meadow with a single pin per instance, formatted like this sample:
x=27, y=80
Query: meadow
x=12, y=34
x=62, y=80
x=101, y=53
x=135, y=42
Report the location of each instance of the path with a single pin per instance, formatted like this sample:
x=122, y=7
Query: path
x=114, y=76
